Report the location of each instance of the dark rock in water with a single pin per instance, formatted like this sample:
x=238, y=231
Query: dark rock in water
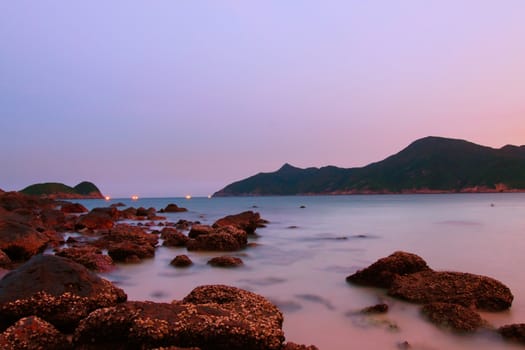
x=183, y=224
x=225, y=261
x=130, y=252
x=382, y=272
x=173, y=208
x=173, y=238
x=55, y=289
x=247, y=221
x=210, y=318
x=33, y=333
x=513, y=332
x=88, y=256
x=124, y=233
x=465, y=289
x=293, y=346
x=197, y=230
x=95, y=220
x=73, y=208
x=453, y=316
x=119, y=204
x=375, y=309
x=181, y=261
x=226, y=238
x=20, y=241
x=128, y=213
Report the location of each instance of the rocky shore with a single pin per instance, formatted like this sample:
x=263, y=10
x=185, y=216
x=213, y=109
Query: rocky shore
x=57, y=301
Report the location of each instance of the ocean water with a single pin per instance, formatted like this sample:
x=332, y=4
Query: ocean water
x=303, y=256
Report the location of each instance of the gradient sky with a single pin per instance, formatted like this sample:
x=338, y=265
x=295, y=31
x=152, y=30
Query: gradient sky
x=166, y=98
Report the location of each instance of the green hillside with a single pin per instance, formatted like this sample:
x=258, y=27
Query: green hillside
x=59, y=190
x=431, y=164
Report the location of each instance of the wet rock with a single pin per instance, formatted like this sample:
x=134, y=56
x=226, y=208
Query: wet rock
x=293, y=346
x=128, y=213
x=452, y=316
x=225, y=261
x=382, y=272
x=197, y=230
x=183, y=224
x=126, y=243
x=110, y=211
x=173, y=208
x=465, y=289
x=513, y=332
x=55, y=289
x=53, y=219
x=119, y=204
x=55, y=238
x=247, y=221
x=130, y=252
x=375, y=309
x=88, y=256
x=20, y=241
x=33, y=333
x=226, y=238
x=173, y=238
x=210, y=318
x=73, y=208
x=181, y=261
x=95, y=220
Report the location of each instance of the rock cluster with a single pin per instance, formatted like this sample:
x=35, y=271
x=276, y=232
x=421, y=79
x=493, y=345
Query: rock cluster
x=450, y=299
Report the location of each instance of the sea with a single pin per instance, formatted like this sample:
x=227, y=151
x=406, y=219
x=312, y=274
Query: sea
x=312, y=243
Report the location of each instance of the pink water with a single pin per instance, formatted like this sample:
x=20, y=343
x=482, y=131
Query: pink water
x=303, y=269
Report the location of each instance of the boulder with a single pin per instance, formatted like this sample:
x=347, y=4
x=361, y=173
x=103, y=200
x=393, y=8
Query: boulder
x=128, y=214
x=112, y=212
x=181, y=261
x=173, y=238
x=225, y=261
x=73, y=208
x=33, y=333
x=198, y=229
x=88, y=256
x=173, y=208
x=210, y=318
x=183, y=224
x=382, y=272
x=226, y=238
x=55, y=289
x=130, y=252
x=247, y=221
x=453, y=316
x=95, y=220
x=20, y=241
x=123, y=233
x=513, y=332
x=53, y=219
x=465, y=289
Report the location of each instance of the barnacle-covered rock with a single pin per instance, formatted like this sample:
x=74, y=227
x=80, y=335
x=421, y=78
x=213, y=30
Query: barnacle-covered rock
x=32, y=333
x=56, y=289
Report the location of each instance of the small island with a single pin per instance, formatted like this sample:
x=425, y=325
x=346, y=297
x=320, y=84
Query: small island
x=56, y=190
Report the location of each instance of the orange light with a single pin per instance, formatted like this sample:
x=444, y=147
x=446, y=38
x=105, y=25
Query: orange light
x=134, y=197
x=107, y=198
x=187, y=196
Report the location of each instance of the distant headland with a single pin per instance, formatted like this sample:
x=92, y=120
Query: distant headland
x=84, y=190
x=428, y=165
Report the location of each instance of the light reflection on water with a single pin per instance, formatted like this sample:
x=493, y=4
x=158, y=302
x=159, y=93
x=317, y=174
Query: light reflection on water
x=304, y=255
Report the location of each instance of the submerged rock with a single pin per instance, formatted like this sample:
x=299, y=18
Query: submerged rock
x=210, y=318
x=33, y=333
x=181, y=261
x=173, y=238
x=55, y=289
x=513, y=332
x=465, y=289
x=375, y=309
x=382, y=272
x=173, y=208
x=225, y=261
x=453, y=316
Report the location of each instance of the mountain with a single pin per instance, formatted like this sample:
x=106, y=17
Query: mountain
x=58, y=190
x=428, y=165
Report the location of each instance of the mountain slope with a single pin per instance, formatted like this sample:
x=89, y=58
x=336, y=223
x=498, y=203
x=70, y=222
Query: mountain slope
x=430, y=164
x=59, y=190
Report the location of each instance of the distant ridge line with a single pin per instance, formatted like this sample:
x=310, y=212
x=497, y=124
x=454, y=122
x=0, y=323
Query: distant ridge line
x=428, y=165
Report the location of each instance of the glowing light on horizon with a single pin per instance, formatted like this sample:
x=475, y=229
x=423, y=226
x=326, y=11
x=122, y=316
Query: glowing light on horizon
x=187, y=196
x=209, y=196
x=107, y=198
x=134, y=197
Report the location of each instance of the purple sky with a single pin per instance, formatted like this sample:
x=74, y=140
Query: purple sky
x=164, y=98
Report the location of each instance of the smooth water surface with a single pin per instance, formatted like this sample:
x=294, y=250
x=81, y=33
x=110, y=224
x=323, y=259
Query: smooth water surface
x=303, y=256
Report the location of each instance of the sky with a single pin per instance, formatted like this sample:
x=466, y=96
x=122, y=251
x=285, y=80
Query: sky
x=168, y=98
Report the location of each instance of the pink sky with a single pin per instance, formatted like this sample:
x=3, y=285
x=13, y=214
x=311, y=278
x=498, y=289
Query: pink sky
x=169, y=98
